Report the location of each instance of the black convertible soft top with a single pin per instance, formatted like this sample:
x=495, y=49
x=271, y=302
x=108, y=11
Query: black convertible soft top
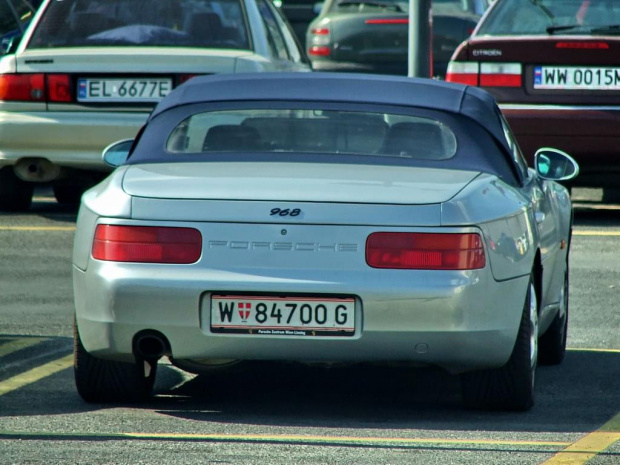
x=471, y=102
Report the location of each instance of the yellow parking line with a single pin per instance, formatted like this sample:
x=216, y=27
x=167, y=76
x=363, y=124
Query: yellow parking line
x=15, y=344
x=589, y=446
x=35, y=374
x=608, y=351
x=37, y=228
x=577, y=232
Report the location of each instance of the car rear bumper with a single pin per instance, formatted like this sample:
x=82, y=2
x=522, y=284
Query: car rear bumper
x=456, y=320
x=589, y=134
x=67, y=139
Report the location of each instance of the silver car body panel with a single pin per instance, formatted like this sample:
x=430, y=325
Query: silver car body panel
x=447, y=318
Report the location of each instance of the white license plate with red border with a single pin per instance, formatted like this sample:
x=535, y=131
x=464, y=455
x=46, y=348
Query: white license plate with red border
x=283, y=315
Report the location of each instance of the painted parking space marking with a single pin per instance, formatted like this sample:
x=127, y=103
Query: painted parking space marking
x=36, y=374
x=9, y=345
x=37, y=228
x=583, y=232
x=590, y=445
x=295, y=439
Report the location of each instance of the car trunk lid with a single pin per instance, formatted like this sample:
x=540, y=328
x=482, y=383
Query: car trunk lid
x=566, y=69
x=312, y=193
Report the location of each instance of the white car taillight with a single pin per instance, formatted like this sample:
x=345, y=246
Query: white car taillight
x=474, y=73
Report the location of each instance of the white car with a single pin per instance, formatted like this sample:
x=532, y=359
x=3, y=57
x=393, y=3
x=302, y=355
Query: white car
x=318, y=217
x=88, y=72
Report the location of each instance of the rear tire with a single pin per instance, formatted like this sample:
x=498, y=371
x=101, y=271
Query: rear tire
x=100, y=381
x=15, y=194
x=510, y=387
x=553, y=342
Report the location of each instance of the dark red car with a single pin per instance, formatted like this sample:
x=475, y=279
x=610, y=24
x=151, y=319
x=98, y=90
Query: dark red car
x=554, y=67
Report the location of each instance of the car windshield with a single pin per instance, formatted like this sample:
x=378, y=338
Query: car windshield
x=440, y=7
x=313, y=131
x=185, y=23
x=545, y=17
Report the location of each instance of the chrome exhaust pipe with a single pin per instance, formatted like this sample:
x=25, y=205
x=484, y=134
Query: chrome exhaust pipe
x=33, y=169
x=151, y=346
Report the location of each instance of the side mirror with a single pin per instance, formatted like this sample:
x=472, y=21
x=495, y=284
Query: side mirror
x=317, y=7
x=555, y=164
x=117, y=153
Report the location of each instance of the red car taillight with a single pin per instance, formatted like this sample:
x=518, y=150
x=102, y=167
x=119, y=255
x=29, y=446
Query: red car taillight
x=320, y=41
x=36, y=87
x=147, y=244
x=22, y=87
x=474, y=73
x=425, y=251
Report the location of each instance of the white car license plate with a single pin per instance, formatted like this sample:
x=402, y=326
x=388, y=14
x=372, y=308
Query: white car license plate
x=282, y=316
x=576, y=78
x=123, y=90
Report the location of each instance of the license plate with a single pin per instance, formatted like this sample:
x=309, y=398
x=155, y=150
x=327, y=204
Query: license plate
x=576, y=78
x=282, y=316
x=123, y=90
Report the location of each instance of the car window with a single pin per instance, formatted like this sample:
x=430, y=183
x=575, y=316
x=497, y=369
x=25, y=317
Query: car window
x=316, y=131
x=517, y=156
x=289, y=39
x=189, y=23
x=274, y=35
x=527, y=17
x=15, y=15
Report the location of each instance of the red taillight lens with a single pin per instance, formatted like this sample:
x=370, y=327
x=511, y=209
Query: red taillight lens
x=500, y=75
x=320, y=31
x=387, y=21
x=425, y=251
x=147, y=244
x=59, y=88
x=22, y=87
x=318, y=50
x=182, y=78
x=463, y=72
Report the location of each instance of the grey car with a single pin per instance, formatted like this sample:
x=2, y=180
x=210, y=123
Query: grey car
x=316, y=217
x=371, y=36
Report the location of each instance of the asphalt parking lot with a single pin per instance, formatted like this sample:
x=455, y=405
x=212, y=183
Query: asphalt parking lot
x=282, y=413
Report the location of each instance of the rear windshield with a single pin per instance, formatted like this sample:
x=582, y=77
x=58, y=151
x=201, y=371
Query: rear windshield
x=314, y=131
x=185, y=23
x=545, y=17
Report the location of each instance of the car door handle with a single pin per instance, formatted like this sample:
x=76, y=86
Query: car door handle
x=540, y=217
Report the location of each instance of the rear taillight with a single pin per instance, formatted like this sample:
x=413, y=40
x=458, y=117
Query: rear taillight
x=463, y=72
x=425, y=251
x=59, y=88
x=147, y=244
x=36, y=87
x=387, y=21
x=500, y=74
x=320, y=41
x=22, y=87
x=474, y=73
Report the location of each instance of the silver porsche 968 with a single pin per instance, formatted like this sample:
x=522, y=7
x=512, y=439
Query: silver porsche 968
x=319, y=217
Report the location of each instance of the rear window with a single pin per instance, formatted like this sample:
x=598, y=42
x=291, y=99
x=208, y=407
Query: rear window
x=314, y=131
x=187, y=23
x=544, y=17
